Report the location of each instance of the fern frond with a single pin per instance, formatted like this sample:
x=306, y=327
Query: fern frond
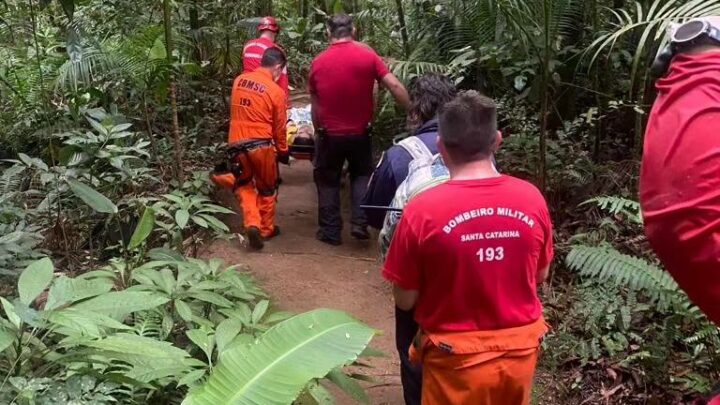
x=12, y=179
x=608, y=264
x=149, y=324
x=618, y=205
x=709, y=331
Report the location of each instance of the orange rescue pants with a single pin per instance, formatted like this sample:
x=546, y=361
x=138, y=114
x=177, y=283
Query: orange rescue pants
x=256, y=191
x=479, y=368
x=258, y=195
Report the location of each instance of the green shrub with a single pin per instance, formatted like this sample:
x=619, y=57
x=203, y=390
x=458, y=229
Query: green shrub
x=83, y=339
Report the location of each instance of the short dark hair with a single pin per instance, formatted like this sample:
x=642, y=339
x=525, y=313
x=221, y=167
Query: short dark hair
x=273, y=57
x=428, y=93
x=468, y=126
x=340, y=26
x=699, y=45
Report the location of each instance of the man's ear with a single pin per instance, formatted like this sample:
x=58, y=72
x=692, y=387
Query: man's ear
x=327, y=31
x=354, y=32
x=498, y=140
x=442, y=149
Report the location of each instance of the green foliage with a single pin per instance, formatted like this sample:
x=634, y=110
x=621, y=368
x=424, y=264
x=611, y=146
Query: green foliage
x=177, y=211
x=650, y=24
x=20, y=240
x=94, y=199
x=34, y=280
x=277, y=367
x=609, y=265
x=88, y=342
x=617, y=205
x=75, y=390
x=143, y=229
x=631, y=312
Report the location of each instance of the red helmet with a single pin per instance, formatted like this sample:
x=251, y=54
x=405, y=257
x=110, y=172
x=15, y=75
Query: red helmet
x=268, y=24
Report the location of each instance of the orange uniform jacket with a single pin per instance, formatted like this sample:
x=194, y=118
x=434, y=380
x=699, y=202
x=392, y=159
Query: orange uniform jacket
x=258, y=110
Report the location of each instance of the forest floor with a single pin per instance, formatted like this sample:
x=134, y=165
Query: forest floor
x=301, y=274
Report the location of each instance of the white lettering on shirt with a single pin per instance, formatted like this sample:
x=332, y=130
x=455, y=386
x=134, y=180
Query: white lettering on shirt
x=487, y=212
x=472, y=237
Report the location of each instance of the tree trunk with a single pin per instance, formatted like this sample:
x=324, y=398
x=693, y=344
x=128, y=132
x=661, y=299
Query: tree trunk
x=545, y=102
x=177, y=143
x=542, y=162
x=597, y=72
x=264, y=7
x=195, y=29
x=643, y=102
x=403, y=28
x=153, y=142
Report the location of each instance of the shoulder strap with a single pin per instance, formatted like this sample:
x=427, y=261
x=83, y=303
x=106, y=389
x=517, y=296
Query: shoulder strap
x=416, y=148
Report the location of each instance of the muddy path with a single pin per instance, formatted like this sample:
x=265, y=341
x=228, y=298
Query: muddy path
x=301, y=273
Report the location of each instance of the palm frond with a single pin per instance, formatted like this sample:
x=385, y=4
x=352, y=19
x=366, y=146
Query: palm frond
x=83, y=68
x=406, y=70
x=653, y=22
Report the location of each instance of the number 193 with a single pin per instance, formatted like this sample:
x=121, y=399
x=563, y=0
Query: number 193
x=490, y=254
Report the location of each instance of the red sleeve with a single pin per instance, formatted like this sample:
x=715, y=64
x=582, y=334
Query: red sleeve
x=311, y=79
x=402, y=266
x=284, y=84
x=547, y=253
x=381, y=68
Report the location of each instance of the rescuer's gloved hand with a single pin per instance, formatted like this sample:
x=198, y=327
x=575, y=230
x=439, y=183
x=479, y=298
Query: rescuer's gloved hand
x=283, y=158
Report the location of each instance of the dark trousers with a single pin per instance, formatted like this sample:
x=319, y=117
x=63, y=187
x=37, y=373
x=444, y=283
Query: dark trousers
x=410, y=374
x=332, y=152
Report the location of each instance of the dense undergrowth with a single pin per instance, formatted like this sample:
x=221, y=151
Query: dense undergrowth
x=111, y=113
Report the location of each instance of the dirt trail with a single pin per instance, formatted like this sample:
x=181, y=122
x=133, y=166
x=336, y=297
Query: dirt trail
x=301, y=274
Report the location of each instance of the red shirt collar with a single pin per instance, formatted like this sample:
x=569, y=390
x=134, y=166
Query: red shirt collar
x=342, y=42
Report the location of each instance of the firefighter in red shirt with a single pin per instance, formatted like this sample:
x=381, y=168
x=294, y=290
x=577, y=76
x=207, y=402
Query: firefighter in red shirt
x=268, y=29
x=467, y=255
x=680, y=174
x=341, y=85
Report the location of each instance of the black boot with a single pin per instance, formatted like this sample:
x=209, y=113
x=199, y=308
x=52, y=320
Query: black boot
x=360, y=232
x=325, y=239
x=255, y=240
x=276, y=232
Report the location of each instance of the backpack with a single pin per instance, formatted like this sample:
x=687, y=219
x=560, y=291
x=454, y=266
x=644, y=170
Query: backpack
x=416, y=148
x=423, y=174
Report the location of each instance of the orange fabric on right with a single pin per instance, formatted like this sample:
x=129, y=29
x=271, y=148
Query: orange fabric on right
x=493, y=378
x=479, y=368
x=224, y=180
x=257, y=196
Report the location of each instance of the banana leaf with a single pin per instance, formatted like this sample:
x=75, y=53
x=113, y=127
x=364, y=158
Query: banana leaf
x=276, y=368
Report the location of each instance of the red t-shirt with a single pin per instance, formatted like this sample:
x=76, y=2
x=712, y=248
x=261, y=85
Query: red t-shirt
x=342, y=79
x=680, y=175
x=473, y=249
x=252, y=56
